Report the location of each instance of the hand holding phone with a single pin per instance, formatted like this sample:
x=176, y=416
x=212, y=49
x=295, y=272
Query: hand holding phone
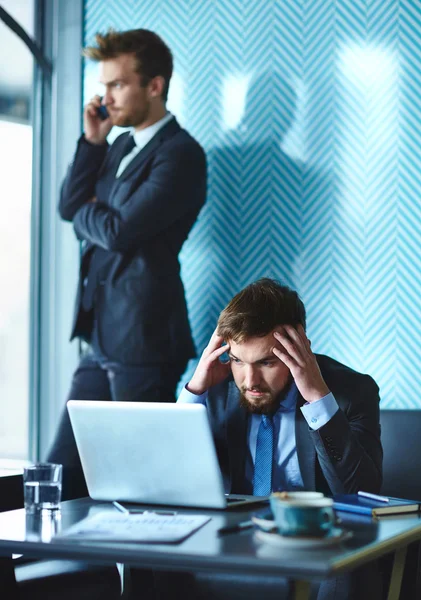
x=96, y=122
x=102, y=112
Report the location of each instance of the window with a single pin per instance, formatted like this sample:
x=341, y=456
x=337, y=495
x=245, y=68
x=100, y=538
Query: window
x=16, y=83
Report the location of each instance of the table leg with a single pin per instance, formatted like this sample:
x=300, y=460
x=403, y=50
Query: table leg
x=397, y=573
x=301, y=590
x=8, y=583
x=126, y=587
x=418, y=574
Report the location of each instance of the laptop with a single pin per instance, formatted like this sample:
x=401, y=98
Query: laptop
x=150, y=453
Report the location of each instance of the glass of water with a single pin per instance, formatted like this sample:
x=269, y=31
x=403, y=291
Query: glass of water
x=42, y=525
x=42, y=486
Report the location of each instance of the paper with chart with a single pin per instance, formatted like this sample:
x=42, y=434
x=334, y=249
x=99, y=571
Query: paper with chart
x=145, y=527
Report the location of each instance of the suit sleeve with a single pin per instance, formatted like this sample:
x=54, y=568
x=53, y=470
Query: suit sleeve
x=348, y=446
x=175, y=187
x=80, y=181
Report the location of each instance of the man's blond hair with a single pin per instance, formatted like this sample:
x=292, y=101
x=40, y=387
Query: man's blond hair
x=153, y=57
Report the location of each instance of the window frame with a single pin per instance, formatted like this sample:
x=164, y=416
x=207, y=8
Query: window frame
x=54, y=249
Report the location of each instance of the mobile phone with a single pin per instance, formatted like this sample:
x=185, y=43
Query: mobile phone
x=102, y=112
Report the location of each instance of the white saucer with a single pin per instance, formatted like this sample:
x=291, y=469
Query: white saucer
x=336, y=536
x=264, y=524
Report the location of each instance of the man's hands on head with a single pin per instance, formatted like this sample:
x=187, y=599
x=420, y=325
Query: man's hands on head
x=295, y=352
x=210, y=370
x=96, y=130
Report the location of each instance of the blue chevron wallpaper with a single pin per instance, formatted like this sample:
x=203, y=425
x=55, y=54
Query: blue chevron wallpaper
x=310, y=115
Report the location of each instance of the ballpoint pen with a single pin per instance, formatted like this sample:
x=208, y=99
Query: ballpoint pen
x=373, y=496
x=139, y=511
x=236, y=527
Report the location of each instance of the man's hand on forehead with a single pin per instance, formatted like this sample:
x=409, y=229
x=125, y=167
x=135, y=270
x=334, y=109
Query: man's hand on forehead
x=210, y=369
x=292, y=337
x=294, y=350
x=215, y=341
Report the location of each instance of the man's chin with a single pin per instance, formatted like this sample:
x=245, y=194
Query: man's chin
x=119, y=121
x=257, y=399
x=263, y=404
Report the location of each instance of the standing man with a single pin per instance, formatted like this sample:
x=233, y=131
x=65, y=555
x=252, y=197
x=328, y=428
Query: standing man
x=321, y=418
x=132, y=205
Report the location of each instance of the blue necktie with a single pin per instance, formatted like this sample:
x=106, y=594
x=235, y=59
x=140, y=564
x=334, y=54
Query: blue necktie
x=262, y=483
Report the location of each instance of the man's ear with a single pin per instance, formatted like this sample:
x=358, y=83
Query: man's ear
x=156, y=86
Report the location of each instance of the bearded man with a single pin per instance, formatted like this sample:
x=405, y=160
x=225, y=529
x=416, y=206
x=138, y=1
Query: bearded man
x=284, y=418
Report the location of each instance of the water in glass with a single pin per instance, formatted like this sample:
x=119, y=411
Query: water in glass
x=42, y=494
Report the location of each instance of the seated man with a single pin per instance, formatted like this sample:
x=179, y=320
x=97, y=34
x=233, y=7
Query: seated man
x=283, y=418
x=321, y=418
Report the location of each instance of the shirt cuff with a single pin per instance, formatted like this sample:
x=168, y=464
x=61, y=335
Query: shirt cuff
x=319, y=412
x=187, y=397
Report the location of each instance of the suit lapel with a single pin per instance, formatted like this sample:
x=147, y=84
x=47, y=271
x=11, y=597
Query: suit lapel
x=168, y=131
x=236, y=438
x=305, y=448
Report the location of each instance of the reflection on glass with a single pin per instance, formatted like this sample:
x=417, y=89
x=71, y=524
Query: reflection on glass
x=42, y=526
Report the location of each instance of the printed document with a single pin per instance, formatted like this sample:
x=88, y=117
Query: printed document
x=145, y=527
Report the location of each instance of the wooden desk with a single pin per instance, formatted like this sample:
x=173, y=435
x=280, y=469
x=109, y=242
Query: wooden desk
x=206, y=551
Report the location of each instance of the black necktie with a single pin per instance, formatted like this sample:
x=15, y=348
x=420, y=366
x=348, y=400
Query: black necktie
x=128, y=146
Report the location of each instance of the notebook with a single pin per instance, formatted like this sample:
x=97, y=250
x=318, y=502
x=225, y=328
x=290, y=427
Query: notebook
x=150, y=453
x=367, y=506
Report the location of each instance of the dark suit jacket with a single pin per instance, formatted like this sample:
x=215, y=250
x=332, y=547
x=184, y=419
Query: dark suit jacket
x=132, y=235
x=343, y=456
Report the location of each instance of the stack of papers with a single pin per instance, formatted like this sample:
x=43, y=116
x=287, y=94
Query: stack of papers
x=145, y=527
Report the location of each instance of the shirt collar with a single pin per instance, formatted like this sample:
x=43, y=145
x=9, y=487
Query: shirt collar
x=142, y=137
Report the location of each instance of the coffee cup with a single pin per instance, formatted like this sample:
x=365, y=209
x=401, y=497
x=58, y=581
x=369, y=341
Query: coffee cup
x=302, y=513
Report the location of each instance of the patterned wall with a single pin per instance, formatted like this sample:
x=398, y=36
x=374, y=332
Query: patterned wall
x=310, y=115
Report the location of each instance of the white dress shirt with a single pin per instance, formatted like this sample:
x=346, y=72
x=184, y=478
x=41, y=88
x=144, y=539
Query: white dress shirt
x=141, y=138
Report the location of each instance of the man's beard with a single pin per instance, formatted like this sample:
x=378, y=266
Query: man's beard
x=268, y=405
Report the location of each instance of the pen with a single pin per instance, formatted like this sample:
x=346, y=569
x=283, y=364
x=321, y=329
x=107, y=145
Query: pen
x=140, y=511
x=373, y=496
x=234, y=528
x=120, y=507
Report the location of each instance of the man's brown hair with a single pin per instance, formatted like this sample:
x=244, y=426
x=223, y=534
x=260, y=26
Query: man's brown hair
x=153, y=57
x=258, y=309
